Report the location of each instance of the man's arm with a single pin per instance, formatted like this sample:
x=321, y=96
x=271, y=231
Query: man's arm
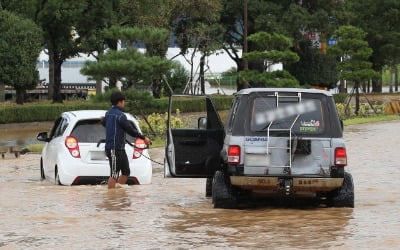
x=131, y=130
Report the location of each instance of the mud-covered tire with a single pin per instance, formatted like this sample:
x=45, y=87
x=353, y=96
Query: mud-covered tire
x=209, y=182
x=222, y=192
x=42, y=175
x=343, y=196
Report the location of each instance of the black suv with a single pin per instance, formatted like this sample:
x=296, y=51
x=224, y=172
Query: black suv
x=276, y=142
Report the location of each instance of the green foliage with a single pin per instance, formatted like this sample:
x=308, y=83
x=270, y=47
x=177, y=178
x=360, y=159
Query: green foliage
x=130, y=65
x=177, y=78
x=129, y=34
x=272, y=48
x=340, y=97
x=20, y=45
x=158, y=123
x=41, y=111
x=314, y=68
x=365, y=110
x=280, y=78
x=355, y=50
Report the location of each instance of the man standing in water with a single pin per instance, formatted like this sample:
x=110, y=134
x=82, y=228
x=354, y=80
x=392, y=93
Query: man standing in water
x=117, y=125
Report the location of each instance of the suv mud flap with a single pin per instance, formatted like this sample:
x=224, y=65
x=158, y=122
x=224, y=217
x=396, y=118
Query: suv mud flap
x=298, y=184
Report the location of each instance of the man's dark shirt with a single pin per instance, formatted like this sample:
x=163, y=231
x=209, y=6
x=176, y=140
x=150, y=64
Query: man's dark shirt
x=116, y=125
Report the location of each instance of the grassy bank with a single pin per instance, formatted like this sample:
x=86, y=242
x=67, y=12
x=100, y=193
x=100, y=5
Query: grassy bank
x=361, y=120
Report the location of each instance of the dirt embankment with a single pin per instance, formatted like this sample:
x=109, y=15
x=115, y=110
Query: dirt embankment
x=379, y=98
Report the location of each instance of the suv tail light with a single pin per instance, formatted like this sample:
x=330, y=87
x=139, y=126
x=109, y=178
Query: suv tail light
x=234, y=154
x=138, y=147
x=340, y=157
x=72, y=144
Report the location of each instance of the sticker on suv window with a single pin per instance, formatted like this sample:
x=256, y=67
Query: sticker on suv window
x=309, y=126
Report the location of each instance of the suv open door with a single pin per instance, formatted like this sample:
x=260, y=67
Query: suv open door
x=193, y=146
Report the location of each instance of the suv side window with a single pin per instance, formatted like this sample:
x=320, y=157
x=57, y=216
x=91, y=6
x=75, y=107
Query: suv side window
x=233, y=114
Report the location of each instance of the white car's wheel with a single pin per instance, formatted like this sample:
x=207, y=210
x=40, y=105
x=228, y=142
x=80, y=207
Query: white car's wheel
x=57, y=177
x=42, y=175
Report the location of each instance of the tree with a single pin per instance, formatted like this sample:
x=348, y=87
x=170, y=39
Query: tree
x=382, y=31
x=310, y=23
x=270, y=49
x=354, y=51
x=20, y=45
x=129, y=65
x=261, y=16
x=314, y=68
x=65, y=24
x=197, y=28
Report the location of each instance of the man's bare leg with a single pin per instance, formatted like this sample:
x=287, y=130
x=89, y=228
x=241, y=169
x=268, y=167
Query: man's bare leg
x=111, y=183
x=122, y=179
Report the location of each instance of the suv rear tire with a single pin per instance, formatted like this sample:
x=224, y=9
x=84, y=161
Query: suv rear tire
x=343, y=196
x=209, y=182
x=222, y=192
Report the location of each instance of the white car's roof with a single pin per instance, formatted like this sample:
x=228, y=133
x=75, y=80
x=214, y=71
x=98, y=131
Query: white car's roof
x=90, y=114
x=297, y=90
x=86, y=114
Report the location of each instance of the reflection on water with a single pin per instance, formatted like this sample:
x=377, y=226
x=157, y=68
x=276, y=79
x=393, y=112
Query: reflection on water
x=175, y=214
x=22, y=134
x=116, y=200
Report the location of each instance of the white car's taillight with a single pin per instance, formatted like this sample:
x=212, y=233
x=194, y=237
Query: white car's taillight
x=138, y=147
x=340, y=157
x=234, y=154
x=72, y=144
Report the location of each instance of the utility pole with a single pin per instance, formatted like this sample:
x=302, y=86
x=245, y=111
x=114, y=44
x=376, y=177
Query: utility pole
x=245, y=22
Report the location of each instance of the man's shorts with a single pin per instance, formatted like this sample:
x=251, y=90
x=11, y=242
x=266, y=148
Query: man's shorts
x=118, y=162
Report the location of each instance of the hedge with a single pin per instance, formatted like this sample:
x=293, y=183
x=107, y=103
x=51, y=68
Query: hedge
x=41, y=112
x=45, y=111
x=37, y=112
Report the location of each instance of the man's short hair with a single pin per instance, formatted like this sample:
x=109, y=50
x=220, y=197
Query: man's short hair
x=116, y=97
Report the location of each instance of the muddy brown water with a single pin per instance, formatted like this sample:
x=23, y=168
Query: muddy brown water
x=175, y=214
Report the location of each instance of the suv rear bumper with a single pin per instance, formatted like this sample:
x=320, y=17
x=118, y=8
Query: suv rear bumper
x=315, y=184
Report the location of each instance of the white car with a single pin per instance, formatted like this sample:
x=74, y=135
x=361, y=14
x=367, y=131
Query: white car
x=74, y=151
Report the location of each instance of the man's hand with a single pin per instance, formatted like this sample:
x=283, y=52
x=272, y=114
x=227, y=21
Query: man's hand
x=147, y=141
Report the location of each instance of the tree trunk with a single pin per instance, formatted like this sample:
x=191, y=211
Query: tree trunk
x=112, y=44
x=2, y=92
x=99, y=83
x=396, y=79
x=376, y=85
x=50, y=87
x=391, y=83
x=202, y=62
x=57, y=98
x=342, y=87
x=369, y=86
x=240, y=67
x=357, y=85
x=156, y=88
x=20, y=93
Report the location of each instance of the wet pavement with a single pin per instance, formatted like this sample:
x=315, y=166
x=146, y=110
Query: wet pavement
x=175, y=214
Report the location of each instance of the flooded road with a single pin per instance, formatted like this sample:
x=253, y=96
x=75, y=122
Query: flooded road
x=175, y=214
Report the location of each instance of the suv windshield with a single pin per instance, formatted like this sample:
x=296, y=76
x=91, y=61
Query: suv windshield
x=303, y=116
